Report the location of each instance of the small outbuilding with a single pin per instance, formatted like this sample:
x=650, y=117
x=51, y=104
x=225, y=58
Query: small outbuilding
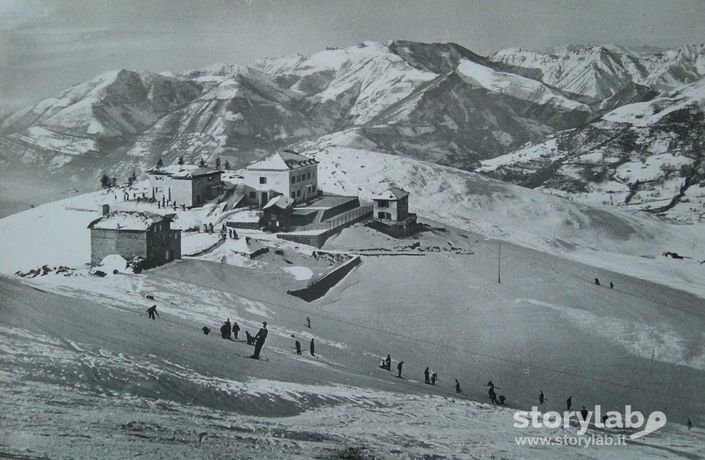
x=276, y=214
x=135, y=234
x=390, y=210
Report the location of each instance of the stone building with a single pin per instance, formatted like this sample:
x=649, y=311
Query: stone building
x=135, y=234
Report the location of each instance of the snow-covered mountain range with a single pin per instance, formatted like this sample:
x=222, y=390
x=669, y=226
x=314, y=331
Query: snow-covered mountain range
x=440, y=103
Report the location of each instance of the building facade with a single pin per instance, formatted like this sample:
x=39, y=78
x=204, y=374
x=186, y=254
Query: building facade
x=390, y=211
x=187, y=185
x=285, y=173
x=135, y=234
x=391, y=205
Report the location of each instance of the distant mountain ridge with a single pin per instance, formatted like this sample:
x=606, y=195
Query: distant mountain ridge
x=437, y=102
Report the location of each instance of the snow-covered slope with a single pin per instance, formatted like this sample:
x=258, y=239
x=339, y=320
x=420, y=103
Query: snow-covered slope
x=114, y=104
x=600, y=72
x=350, y=165
x=645, y=155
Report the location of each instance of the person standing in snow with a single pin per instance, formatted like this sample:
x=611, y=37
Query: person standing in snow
x=224, y=331
x=597, y=281
x=151, y=311
x=399, y=366
x=308, y=322
x=457, y=387
x=297, y=345
x=426, y=376
x=541, y=398
x=491, y=393
x=229, y=329
x=236, y=330
x=388, y=361
x=434, y=377
x=259, y=340
x=569, y=402
x=312, y=348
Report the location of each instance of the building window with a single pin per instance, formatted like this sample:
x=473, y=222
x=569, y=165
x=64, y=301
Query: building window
x=308, y=176
x=253, y=195
x=293, y=194
x=382, y=203
x=298, y=193
x=293, y=179
x=262, y=180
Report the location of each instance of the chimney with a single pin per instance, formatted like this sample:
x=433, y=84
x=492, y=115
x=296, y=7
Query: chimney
x=106, y=209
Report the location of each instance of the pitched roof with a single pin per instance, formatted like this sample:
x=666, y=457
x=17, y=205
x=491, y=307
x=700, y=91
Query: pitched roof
x=282, y=161
x=183, y=171
x=392, y=193
x=280, y=201
x=129, y=220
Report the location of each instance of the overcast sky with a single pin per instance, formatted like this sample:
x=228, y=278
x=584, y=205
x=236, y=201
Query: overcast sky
x=48, y=45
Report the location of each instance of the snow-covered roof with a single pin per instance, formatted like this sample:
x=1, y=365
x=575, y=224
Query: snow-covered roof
x=247, y=246
x=392, y=193
x=129, y=220
x=280, y=201
x=282, y=161
x=183, y=171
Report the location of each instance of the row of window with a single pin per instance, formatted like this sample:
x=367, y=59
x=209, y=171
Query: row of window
x=301, y=177
x=294, y=179
x=297, y=194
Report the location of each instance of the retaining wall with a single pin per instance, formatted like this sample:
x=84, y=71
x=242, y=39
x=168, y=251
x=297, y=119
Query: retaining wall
x=319, y=288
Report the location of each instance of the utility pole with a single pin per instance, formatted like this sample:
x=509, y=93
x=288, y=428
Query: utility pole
x=499, y=258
